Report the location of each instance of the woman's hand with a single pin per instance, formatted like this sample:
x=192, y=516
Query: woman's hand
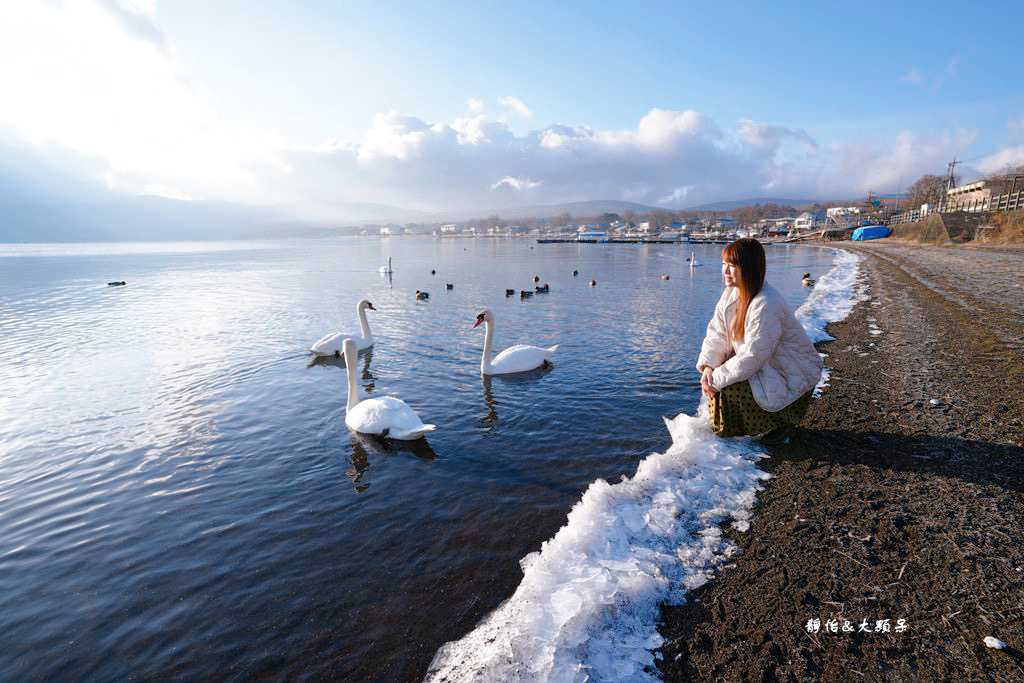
x=707, y=386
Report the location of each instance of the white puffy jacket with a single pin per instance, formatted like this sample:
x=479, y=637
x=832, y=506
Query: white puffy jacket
x=776, y=354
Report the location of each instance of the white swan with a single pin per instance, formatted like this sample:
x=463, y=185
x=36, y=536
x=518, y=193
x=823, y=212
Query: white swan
x=331, y=344
x=387, y=268
x=384, y=416
x=518, y=358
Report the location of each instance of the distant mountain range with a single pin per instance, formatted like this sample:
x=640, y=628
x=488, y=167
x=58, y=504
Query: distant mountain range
x=160, y=218
x=599, y=206
x=588, y=208
x=350, y=213
x=737, y=203
x=135, y=218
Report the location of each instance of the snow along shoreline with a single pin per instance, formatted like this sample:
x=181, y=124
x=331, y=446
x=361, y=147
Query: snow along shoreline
x=588, y=605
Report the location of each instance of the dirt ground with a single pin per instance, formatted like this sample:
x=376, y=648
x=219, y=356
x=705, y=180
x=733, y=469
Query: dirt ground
x=899, y=499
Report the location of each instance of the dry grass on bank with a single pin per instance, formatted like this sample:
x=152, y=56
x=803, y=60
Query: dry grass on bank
x=1009, y=228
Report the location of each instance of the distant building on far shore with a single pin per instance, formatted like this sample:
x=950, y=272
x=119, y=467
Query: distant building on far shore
x=678, y=231
x=808, y=221
x=592, y=233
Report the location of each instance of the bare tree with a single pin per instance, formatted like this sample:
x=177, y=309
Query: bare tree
x=660, y=217
x=927, y=189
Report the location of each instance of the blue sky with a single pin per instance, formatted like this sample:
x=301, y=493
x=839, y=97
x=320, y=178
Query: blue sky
x=466, y=105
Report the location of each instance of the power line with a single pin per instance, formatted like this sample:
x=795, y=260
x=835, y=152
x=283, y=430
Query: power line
x=982, y=156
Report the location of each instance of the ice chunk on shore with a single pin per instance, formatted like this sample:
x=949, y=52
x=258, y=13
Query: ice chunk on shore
x=587, y=607
x=833, y=298
x=993, y=642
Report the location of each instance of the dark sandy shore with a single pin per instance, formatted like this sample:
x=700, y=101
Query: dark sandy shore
x=900, y=499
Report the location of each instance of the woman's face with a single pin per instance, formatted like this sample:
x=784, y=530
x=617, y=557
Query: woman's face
x=730, y=273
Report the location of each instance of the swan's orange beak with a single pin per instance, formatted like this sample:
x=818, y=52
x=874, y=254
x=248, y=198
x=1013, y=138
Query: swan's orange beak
x=370, y=306
x=478, y=321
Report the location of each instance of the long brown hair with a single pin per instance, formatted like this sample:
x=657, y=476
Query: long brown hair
x=748, y=255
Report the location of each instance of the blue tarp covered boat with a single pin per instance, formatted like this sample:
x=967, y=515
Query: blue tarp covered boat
x=871, y=232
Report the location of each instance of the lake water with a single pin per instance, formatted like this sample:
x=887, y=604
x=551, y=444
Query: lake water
x=180, y=497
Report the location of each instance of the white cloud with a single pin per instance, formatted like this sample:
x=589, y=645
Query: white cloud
x=518, y=184
x=669, y=156
x=994, y=163
x=676, y=196
x=552, y=139
x=471, y=130
x=879, y=165
x=658, y=131
x=101, y=101
x=765, y=139
x=100, y=77
x=517, y=106
x=392, y=135
x=106, y=97
x=659, y=126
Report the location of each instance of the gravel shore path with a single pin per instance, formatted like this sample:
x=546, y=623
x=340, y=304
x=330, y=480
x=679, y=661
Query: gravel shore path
x=901, y=499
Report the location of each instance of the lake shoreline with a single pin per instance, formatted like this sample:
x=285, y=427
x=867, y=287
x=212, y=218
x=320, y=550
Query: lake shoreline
x=898, y=499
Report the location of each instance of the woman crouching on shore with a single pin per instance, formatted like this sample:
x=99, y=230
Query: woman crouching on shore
x=758, y=367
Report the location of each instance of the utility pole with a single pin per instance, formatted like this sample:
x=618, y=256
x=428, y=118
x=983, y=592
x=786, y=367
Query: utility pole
x=949, y=178
x=950, y=167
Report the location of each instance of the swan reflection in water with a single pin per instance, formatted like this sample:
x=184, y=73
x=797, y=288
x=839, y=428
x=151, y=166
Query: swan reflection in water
x=364, y=446
x=367, y=356
x=530, y=376
x=360, y=463
x=491, y=417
